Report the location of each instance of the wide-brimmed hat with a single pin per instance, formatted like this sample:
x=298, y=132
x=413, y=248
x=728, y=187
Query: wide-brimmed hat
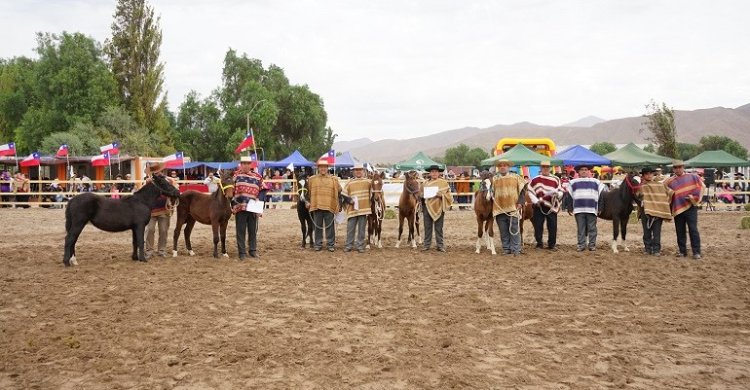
x=545, y=164
x=435, y=168
x=323, y=162
x=246, y=159
x=678, y=163
x=504, y=161
x=579, y=167
x=646, y=170
x=358, y=166
x=153, y=167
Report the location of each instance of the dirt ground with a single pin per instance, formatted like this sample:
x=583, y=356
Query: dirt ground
x=390, y=318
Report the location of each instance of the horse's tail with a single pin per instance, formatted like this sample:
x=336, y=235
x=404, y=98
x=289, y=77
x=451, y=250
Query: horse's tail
x=68, y=219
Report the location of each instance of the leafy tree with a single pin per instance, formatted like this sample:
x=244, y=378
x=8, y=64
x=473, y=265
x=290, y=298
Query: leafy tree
x=661, y=126
x=687, y=151
x=719, y=142
x=649, y=148
x=133, y=52
x=200, y=132
x=70, y=84
x=602, y=148
x=463, y=155
x=16, y=77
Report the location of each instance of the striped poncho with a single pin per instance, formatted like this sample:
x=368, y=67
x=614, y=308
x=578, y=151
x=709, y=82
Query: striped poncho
x=656, y=197
x=247, y=185
x=441, y=203
x=547, y=189
x=507, y=190
x=687, y=188
x=585, y=192
x=324, y=193
x=361, y=190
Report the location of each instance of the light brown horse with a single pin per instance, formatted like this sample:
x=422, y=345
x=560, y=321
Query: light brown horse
x=213, y=209
x=377, y=206
x=483, y=211
x=409, y=207
x=527, y=212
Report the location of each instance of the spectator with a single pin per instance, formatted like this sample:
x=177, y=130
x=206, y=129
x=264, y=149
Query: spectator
x=5, y=187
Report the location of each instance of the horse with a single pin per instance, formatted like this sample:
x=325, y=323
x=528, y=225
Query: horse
x=409, y=206
x=616, y=206
x=527, y=212
x=303, y=214
x=377, y=206
x=483, y=211
x=209, y=209
x=114, y=215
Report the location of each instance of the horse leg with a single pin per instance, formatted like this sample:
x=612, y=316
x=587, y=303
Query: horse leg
x=623, y=232
x=379, y=230
x=188, y=231
x=138, y=232
x=69, y=257
x=223, y=233
x=215, y=231
x=369, y=232
x=400, y=229
x=310, y=229
x=303, y=228
x=490, y=236
x=480, y=230
x=615, y=233
x=412, y=238
x=176, y=234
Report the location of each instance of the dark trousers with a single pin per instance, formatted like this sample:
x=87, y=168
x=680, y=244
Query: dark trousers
x=429, y=226
x=247, y=227
x=538, y=220
x=684, y=222
x=652, y=233
x=586, y=224
x=323, y=219
x=510, y=233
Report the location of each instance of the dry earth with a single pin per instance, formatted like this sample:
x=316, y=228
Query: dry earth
x=390, y=318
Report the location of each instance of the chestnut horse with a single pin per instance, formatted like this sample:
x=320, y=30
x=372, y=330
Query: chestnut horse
x=483, y=210
x=527, y=212
x=409, y=207
x=208, y=209
x=377, y=206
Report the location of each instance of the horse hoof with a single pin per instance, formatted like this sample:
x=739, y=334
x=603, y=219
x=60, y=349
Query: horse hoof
x=174, y=253
x=494, y=253
x=367, y=246
x=398, y=244
x=191, y=253
x=73, y=260
x=476, y=251
x=224, y=255
x=380, y=246
x=627, y=249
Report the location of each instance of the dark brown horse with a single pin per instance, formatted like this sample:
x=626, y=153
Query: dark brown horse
x=208, y=209
x=527, y=212
x=483, y=210
x=377, y=206
x=114, y=215
x=617, y=205
x=409, y=207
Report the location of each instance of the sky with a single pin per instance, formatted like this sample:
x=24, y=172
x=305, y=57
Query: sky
x=408, y=68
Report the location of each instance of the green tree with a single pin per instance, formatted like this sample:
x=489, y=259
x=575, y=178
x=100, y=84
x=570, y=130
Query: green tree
x=661, y=126
x=200, y=132
x=602, y=148
x=134, y=51
x=16, y=93
x=687, y=151
x=650, y=148
x=719, y=142
x=71, y=84
x=463, y=155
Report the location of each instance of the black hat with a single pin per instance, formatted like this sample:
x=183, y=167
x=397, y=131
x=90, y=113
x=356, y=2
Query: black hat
x=739, y=174
x=579, y=167
x=435, y=167
x=647, y=170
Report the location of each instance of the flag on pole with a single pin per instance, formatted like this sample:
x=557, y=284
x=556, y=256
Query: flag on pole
x=8, y=149
x=101, y=160
x=33, y=160
x=173, y=160
x=62, y=151
x=111, y=149
x=246, y=143
x=290, y=167
x=330, y=157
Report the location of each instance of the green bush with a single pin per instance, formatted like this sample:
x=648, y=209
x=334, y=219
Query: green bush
x=747, y=207
x=390, y=214
x=745, y=223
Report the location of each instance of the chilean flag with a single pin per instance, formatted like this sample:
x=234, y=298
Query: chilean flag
x=32, y=160
x=62, y=151
x=246, y=143
x=101, y=160
x=8, y=149
x=113, y=148
x=173, y=160
x=330, y=157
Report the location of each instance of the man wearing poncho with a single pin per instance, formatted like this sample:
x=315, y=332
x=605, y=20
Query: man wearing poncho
x=435, y=208
x=688, y=189
x=324, y=203
x=358, y=190
x=656, y=199
x=509, y=192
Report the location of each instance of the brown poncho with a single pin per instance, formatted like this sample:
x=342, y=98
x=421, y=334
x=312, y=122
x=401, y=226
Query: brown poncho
x=436, y=206
x=324, y=193
x=360, y=188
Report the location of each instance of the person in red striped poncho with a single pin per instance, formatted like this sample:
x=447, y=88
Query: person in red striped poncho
x=688, y=189
x=545, y=194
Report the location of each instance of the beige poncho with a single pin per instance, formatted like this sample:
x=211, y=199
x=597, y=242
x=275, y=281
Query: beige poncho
x=441, y=203
x=324, y=193
x=506, y=192
x=361, y=189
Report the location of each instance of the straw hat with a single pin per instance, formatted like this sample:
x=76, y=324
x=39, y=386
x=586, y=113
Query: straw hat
x=504, y=161
x=358, y=166
x=323, y=162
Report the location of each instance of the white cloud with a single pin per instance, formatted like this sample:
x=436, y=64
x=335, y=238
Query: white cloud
x=396, y=69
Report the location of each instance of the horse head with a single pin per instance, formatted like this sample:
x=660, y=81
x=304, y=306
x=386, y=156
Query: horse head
x=303, y=188
x=411, y=182
x=164, y=186
x=632, y=185
x=226, y=183
x=485, y=185
x=377, y=186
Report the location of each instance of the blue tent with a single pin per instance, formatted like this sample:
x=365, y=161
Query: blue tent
x=296, y=159
x=345, y=160
x=578, y=155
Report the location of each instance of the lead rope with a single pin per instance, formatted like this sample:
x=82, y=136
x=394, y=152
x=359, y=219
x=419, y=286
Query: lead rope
x=555, y=203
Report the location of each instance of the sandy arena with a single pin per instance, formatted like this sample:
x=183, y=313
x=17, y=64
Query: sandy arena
x=387, y=319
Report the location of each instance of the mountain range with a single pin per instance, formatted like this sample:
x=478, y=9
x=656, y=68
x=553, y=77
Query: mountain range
x=691, y=126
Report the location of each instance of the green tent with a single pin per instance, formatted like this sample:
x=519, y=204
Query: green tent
x=633, y=156
x=715, y=159
x=419, y=162
x=521, y=155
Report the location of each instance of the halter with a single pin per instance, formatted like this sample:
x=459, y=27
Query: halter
x=633, y=188
x=225, y=187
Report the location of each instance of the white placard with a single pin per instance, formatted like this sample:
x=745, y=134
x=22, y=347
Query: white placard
x=430, y=192
x=355, y=206
x=255, y=206
x=340, y=217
